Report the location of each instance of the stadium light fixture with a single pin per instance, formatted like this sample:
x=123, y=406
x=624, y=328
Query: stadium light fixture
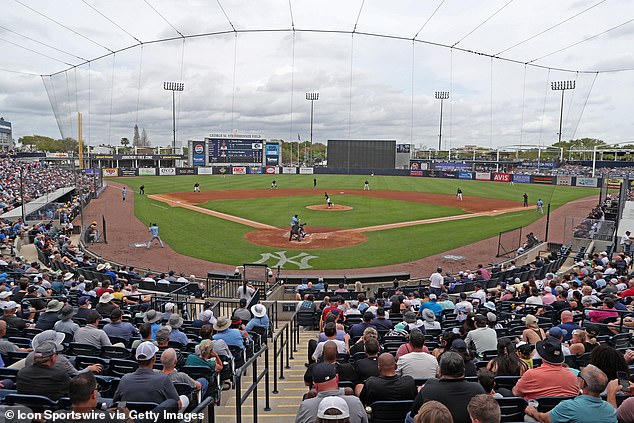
x=562, y=86
x=312, y=97
x=173, y=87
x=442, y=96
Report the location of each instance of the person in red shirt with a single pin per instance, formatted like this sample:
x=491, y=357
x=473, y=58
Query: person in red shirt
x=608, y=310
x=105, y=287
x=629, y=292
x=332, y=305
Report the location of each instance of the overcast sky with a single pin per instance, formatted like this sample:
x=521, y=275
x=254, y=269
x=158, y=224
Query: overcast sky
x=255, y=80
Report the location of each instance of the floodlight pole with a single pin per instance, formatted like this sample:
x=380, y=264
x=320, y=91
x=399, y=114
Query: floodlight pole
x=173, y=87
x=442, y=96
x=562, y=86
x=312, y=97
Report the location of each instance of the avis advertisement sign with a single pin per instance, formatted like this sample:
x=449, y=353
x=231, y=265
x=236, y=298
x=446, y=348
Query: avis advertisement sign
x=483, y=176
x=502, y=177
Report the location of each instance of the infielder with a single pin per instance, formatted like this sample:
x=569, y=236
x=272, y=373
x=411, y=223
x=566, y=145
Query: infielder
x=155, y=235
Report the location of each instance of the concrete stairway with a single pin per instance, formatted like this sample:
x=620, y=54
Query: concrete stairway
x=285, y=403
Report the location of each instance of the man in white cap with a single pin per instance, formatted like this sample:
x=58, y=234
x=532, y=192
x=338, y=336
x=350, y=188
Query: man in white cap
x=13, y=321
x=146, y=385
x=260, y=319
x=105, y=307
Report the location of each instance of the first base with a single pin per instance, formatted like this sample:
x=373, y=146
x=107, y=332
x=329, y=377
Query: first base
x=138, y=244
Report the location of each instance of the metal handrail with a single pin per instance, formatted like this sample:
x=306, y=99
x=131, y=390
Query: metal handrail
x=207, y=403
x=253, y=387
x=288, y=332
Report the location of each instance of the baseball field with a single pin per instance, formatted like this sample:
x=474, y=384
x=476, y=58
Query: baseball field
x=238, y=219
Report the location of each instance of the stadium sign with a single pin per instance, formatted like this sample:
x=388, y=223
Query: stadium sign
x=483, y=176
x=270, y=170
x=240, y=170
x=564, y=180
x=521, y=179
x=465, y=175
x=502, y=177
x=109, y=172
x=147, y=171
x=586, y=182
x=540, y=179
x=305, y=170
x=167, y=171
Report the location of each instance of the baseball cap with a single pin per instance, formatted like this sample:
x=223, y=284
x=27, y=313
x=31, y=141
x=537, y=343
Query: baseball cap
x=432, y=296
x=45, y=349
x=324, y=372
x=83, y=300
x=333, y=403
x=557, y=332
x=9, y=305
x=146, y=350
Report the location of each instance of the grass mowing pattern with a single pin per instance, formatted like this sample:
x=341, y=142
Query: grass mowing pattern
x=221, y=241
x=367, y=211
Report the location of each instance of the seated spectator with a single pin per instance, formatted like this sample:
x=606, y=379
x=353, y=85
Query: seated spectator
x=429, y=320
x=586, y=407
x=368, y=366
x=417, y=363
x=13, y=321
x=154, y=318
x=533, y=333
x=106, y=306
x=445, y=302
x=451, y=389
x=609, y=360
x=330, y=330
x=607, y=311
x=507, y=363
x=432, y=305
x=205, y=356
x=534, y=298
x=483, y=338
x=486, y=378
x=145, y=331
x=176, y=335
x=581, y=343
x=345, y=371
x=242, y=312
x=409, y=317
x=146, y=385
x=47, y=320
x=353, y=310
x=380, y=322
x=484, y=409
x=567, y=324
x=387, y=386
x=326, y=383
x=260, y=319
x=357, y=329
x=232, y=337
x=117, y=327
x=42, y=377
x=105, y=287
x=205, y=318
x=551, y=378
x=432, y=412
x=459, y=346
x=65, y=323
x=359, y=346
x=84, y=307
x=91, y=334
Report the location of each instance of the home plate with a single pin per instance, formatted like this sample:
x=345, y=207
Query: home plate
x=341, y=192
x=138, y=244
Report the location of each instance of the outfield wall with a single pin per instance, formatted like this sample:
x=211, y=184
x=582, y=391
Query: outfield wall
x=515, y=178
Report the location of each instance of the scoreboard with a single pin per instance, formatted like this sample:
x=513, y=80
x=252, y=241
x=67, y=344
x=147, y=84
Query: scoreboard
x=235, y=150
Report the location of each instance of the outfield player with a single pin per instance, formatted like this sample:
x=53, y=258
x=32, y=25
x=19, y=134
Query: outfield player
x=525, y=196
x=196, y=187
x=459, y=194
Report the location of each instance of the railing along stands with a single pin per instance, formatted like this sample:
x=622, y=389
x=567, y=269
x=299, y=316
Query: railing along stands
x=286, y=338
x=206, y=403
x=252, y=389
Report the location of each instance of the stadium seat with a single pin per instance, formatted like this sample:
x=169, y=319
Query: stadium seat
x=37, y=403
x=512, y=409
x=389, y=411
x=548, y=403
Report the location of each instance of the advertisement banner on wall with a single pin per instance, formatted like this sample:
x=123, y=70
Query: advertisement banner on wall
x=239, y=170
x=451, y=166
x=271, y=170
x=147, y=171
x=290, y=170
x=205, y=170
x=502, y=177
x=92, y=171
x=564, y=180
x=465, y=175
x=222, y=170
x=614, y=183
x=418, y=165
x=521, y=179
x=109, y=172
x=198, y=154
x=586, y=182
x=272, y=154
x=185, y=171
x=415, y=173
x=167, y=171
x=539, y=179
x=449, y=174
x=306, y=171
x=127, y=171
x=256, y=170
x=483, y=176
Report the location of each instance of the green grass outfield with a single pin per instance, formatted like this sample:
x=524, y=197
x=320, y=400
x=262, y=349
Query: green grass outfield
x=217, y=240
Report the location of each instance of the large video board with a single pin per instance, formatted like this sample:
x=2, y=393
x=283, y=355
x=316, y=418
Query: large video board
x=232, y=150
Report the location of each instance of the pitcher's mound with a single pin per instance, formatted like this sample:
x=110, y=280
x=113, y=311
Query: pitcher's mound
x=337, y=207
x=317, y=238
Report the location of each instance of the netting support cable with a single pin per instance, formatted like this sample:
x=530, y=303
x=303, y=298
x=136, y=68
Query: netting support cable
x=523, y=105
x=428, y=19
x=411, y=128
x=138, y=91
x=482, y=23
x=541, y=120
x=235, y=64
x=164, y=18
x=585, y=103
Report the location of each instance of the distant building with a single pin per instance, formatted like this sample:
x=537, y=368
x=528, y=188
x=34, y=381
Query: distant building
x=6, y=135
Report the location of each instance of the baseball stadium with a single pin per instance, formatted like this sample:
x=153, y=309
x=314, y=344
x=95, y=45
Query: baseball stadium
x=267, y=212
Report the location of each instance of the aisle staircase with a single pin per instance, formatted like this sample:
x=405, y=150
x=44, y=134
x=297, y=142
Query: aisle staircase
x=285, y=403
